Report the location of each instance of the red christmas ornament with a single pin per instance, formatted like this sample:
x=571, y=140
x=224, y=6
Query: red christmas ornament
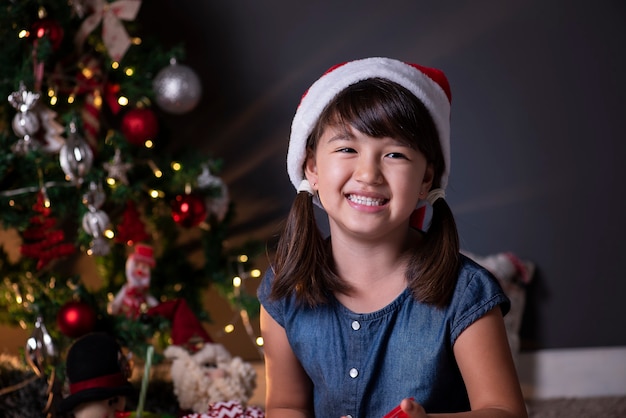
x=50, y=29
x=76, y=318
x=139, y=125
x=188, y=210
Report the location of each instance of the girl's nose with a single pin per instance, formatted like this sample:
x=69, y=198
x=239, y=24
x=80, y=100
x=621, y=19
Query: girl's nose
x=368, y=171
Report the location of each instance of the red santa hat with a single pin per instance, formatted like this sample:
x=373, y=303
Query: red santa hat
x=143, y=253
x=186, y=329
x=429, y=85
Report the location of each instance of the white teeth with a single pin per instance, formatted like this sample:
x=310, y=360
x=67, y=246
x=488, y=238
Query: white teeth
x=367, y=201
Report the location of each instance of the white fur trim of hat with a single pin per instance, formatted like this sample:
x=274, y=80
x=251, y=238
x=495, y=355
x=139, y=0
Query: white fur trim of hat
x=429, y=85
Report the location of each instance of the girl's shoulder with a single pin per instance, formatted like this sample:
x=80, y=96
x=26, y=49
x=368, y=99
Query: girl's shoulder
x=477, y=292
x=470, y=271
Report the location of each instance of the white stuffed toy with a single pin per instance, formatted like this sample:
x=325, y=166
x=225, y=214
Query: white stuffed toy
x=513, y=274
x=208, y=376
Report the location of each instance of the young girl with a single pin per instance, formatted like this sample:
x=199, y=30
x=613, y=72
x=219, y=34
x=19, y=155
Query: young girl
x=385, y=311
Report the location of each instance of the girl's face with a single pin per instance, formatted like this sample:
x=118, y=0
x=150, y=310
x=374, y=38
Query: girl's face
x=368, y=186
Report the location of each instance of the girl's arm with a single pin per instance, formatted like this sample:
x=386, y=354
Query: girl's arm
x=484, y=358
x=288, y=388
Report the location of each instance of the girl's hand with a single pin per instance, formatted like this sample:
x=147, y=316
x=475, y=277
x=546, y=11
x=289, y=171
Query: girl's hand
x=412, y=409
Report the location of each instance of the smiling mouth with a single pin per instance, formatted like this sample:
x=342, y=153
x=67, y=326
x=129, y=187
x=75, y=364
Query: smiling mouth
x=366, y=201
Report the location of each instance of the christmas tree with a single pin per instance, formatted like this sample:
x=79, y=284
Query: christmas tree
x=88, y=169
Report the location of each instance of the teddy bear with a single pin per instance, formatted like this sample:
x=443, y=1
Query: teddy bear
x=209, y=375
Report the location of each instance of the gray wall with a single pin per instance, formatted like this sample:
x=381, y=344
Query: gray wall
x=537, y=126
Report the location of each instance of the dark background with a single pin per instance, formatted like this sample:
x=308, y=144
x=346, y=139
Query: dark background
x=538, y=121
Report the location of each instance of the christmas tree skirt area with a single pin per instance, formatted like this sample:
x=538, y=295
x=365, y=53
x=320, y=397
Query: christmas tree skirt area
x=30, y=399
x=24, y=395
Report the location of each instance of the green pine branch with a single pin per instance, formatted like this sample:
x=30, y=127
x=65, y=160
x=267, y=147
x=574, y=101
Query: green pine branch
x=186, y=268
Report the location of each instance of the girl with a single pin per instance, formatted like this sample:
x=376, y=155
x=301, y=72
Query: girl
x=384, y=311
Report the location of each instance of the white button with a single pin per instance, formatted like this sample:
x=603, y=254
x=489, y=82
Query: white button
x=355, y=325
x=354, y=372
x=348, y=416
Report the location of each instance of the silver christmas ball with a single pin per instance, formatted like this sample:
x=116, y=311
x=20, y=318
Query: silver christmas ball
x=177, y=88
x=95, y=223
x=25, y=123
x=75, y=156
x=40, y=350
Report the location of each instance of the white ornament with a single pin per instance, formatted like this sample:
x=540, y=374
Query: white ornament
x=23, y=100
x=25, y=122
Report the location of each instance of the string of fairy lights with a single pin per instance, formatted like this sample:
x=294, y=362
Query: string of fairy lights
x=241, y=314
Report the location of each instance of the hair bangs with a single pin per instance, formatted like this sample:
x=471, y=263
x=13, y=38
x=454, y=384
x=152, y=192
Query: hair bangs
x=377, y=108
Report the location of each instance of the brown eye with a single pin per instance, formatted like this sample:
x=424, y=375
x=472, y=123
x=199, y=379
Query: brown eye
x=396, y=155
x=114, y=401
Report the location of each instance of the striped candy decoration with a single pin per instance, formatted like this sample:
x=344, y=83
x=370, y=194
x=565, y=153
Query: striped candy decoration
x=229, y=409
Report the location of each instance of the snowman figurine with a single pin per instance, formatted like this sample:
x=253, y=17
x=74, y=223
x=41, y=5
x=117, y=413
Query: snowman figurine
x=97, y=372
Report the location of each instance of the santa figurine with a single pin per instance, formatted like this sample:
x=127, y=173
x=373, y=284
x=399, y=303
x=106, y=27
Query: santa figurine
x=97, y=372
x=205, y=377
x=134, y=297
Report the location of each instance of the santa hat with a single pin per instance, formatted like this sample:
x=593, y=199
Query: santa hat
x=429, y=85
x=186, y=329
x=143, y=253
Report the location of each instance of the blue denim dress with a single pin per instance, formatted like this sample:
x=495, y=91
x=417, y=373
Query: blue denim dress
x=363, y=365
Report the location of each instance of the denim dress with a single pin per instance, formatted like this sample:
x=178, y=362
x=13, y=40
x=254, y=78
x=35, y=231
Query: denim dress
x=363, y=365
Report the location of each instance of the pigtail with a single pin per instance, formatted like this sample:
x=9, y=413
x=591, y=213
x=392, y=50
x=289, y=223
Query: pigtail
x=433, y=269
x=302, y=263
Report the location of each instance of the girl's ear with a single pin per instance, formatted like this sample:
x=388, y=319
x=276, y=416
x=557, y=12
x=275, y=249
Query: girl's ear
x=310, y=168
x=427, y=180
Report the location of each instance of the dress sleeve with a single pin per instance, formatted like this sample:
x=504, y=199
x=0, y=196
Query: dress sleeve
x=477, y=293
x=273, y=307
